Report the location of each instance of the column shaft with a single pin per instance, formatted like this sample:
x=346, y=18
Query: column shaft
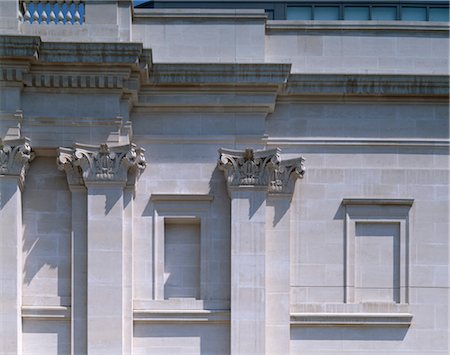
x=79, y=271
x=105, y=272
x=248, y=234
x=278, y=275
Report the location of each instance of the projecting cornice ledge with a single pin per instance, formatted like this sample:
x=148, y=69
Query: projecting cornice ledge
x=31, y=47
x=220, y=74
x=355, y=85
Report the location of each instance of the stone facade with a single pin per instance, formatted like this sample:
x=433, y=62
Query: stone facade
x=208, y=181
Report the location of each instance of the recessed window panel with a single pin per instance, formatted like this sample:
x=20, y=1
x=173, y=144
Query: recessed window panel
x=438, y=14
x=356, y=13
x=181, y=259
x=410, y=13
x=325, y=13
x=384, y=13
x=299, y=13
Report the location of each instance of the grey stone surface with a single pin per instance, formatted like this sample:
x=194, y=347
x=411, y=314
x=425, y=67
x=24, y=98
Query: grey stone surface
x=102, y=256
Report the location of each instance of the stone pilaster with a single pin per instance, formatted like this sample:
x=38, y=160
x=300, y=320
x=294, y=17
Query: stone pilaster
x=109, y=175
x=260, y=186
x=65, y=162
x=15, y=156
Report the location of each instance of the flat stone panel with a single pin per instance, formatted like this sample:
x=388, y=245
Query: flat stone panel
x=182, y=260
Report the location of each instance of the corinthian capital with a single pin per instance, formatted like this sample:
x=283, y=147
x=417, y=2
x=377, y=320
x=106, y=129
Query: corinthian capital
x=249, y=167
x=15, y=157
x=263, y=168
x=87, y=164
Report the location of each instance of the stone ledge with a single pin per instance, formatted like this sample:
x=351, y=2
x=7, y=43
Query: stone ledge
x=180, y=197
x=46, y=312
x=217, y=73
x=184, y=316
x=342, y=27
x=25, y=47
x=213, y=14
x=351, y=319
x=367, y=84
x=31, y=47
x=346, y=142
x=378, y=201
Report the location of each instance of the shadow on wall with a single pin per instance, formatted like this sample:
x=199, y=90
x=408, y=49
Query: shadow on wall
x=349, y=333
x=46, y=233
x=5, y=195
x=212, y=339
x=35, y=330
x=111, y=196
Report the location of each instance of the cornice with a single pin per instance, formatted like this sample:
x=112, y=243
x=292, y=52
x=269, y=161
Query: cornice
x=220, y=74
x=196, y=14
x=363, y=27
x=92, y=53
x=30, y=62
x=19, y=47
x=367, y=85
x=358, y=142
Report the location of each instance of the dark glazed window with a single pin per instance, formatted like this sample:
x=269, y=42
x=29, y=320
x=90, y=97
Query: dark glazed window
x=356, y=13
x=438, y=14
x=384, y=13
x=299, y=13
x=410, y=13
x=327, y=13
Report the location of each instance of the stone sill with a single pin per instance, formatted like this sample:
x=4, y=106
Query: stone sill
x=185, y=316
x=46, y=312
x=174, y=310
x=351, y=319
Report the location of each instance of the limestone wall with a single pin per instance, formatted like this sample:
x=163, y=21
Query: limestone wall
x=206, y=202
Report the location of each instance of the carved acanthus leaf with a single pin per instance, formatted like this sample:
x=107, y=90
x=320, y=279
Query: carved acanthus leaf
x=15, y=157
x=262, y=168
x=249, y=167
x=94, y=164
